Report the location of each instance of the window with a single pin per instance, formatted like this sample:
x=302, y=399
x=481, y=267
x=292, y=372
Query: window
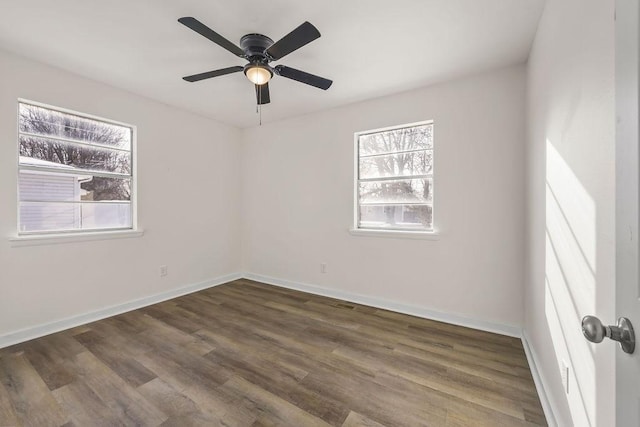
x=75, y=172
x=394, y=183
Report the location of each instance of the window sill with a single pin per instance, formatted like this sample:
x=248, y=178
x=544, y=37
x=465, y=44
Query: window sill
x=396, y=234
x=51, y=239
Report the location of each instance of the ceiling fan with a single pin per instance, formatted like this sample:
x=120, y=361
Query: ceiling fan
x=259, y=50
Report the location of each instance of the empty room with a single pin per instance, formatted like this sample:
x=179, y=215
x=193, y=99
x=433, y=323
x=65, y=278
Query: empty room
x=339, y=213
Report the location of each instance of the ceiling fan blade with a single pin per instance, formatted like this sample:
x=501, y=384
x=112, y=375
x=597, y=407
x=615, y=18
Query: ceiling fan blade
x=262, y=94
x=305, y=33
x=207, y=32
x=215, y=73
x=302, y=77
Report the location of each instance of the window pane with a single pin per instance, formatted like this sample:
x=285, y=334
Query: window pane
x=60, y=216
x=43, y=121
x=396, y=191
x=402, y=217
x=405, y=139
x=406, y=164
x=53, y=187
x=106, y=189
x=60, y=154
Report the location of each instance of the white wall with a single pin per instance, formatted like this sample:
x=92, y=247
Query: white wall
x=298, y=201
x=188, y=185
x=571, y=190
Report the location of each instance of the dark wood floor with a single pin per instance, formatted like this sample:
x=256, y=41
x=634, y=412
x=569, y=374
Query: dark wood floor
x=249, y=354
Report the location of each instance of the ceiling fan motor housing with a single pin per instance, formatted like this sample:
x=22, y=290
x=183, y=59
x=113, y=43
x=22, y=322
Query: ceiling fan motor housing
x=254, y=46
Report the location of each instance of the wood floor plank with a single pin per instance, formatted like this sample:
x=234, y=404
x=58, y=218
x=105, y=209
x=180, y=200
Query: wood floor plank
x=211, y=401
x=8, y=415
x=126, y=367
x=380, y=403
x=125, y=340
x=249, y=354
x=454, y=404
x=455, y=360
x=446, y=381
x=124, y=401
x=166, y=314
x=473, y=416
x=284, y=383
x=356, y=420
x=433, y=332
x=173, y=355
x=174, y=404
x=84, y=406
x=269, y=408
x=30, y=395
x=47, y=362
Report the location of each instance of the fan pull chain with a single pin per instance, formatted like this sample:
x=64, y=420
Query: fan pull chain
x=259, y=106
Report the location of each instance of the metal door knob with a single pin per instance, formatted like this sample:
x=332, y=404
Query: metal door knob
x=595, y=331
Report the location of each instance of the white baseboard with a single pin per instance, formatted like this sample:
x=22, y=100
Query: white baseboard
x=539, y=381
x=73, y=321
x=483, y=325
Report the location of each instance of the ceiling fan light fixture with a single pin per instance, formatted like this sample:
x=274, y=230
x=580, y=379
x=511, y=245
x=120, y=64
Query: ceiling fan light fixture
x=258, y=74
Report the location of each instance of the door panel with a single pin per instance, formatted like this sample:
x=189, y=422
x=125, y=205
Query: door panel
x=627, y=213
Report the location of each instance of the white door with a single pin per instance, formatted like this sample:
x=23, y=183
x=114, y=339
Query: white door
x=627, y=213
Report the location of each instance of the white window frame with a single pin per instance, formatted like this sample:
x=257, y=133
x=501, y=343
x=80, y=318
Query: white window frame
x=356, y=230
x=61, y=236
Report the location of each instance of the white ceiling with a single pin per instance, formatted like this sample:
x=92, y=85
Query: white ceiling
x=369, y=48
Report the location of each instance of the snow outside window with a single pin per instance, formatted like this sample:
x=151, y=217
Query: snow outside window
x=394, y=184
x=75, y=172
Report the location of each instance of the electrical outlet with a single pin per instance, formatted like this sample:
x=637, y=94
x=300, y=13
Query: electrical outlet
x=564, y=374
x=323, y=267
x=163, y=270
